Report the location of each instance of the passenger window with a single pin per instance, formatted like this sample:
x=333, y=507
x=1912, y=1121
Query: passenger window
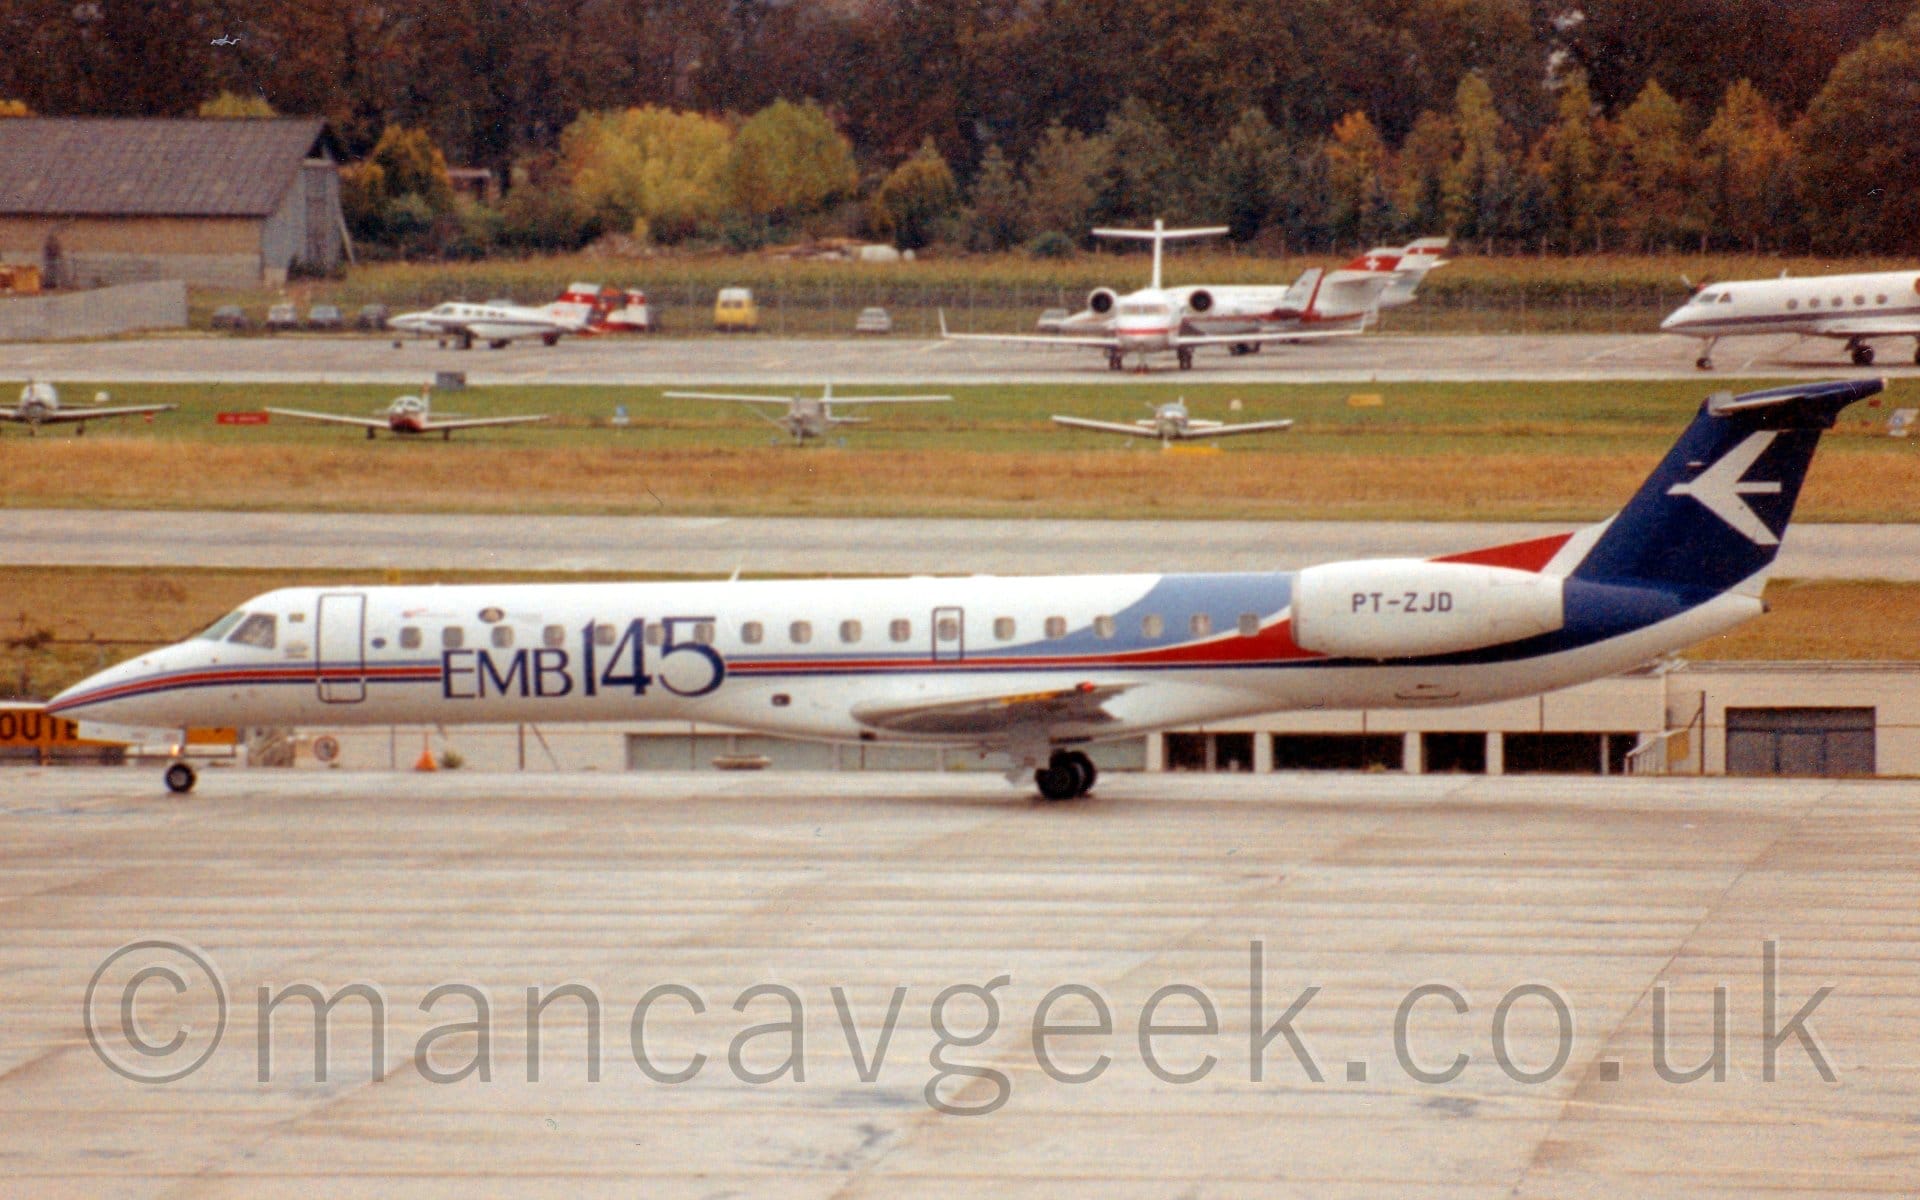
x=1056, y=627
x=502, y=637
x=850, y=632
x=703, y=633
x=900, y=630
x=409, y=637
x=1153, y=625
x=1249, y=624
x=947, y=629
x=1881, y=299
x=654, y=633
x=751, y=633
x=1200, y=625
x=1003, y=628
x=800, y=633
x=1814, y=303
x=1859, y=300
x=603, y=633
x=1792, y=304
x=257, y=631
x=452, y=637
x=1103, y=627
x=553, y=635
x=1839, y=302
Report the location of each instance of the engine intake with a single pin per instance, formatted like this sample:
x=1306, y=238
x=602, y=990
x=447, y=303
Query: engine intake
x=1200, y=300
x=1102, y=300
x=1412, y=608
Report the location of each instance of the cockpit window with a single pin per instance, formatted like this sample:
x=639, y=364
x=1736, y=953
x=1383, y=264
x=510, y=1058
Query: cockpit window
x=218, y=629
x=257, y=630
x=1707, y=298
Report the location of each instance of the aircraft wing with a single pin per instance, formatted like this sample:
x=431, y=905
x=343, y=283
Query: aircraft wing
x=332, y=418
x=1246, y=339
x=1849, y=327
x=837, y=401
x=986, y=716
x=729, y=397
x=61, y=415
x=1142, y=431
x=434, y=426
x=1101, y=341
x=1215, y=431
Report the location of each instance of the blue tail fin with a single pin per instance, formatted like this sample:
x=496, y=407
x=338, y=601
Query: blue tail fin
x=1711, y=515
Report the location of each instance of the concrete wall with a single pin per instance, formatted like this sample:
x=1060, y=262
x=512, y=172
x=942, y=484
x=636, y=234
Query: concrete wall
x=100, y=312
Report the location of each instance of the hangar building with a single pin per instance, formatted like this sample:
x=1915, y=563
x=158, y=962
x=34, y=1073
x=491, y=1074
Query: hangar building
x=225, y=203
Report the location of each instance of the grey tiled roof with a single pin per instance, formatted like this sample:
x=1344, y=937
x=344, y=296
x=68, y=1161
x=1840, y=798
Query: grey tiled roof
x=90, y=166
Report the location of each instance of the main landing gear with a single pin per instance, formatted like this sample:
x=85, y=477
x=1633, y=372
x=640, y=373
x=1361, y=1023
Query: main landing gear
x=1069, y=774
x=1186, y=358
x=1861, y=353
x=1115, y=361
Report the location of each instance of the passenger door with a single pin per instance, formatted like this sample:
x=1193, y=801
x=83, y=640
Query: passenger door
x=339, y=648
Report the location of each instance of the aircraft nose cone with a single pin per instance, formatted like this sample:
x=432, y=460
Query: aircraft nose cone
x=110, y=695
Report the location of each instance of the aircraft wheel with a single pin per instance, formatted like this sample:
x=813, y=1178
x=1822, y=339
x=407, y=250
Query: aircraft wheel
x=1083, y=769
x=80, y=429
x=1703, y=363
x=180, y=778
x=1186, y=360
x=1916, y=356
x=497, y=344
x=1114, y=362
x=1057, y=782
x=1863, y=356
x=369, y=435
x=550, y=339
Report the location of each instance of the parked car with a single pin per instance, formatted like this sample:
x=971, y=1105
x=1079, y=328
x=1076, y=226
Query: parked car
x=230, y=316
x=873, y=320
x=283, y=316
x=735, y=312
x=371, y=317
x=325, y=316
x=1052, y=320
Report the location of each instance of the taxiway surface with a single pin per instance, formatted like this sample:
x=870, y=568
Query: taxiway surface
x=1385, y=358
x=1514, y=936
x=812, y=546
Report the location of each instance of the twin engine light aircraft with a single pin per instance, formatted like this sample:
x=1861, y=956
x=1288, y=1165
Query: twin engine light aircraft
x=1032, y=668
x=806, y=416
x=40, y=405
x=1161, y=320
x=1853, y=308
x=1171, y=423
x=408, y=415
x=494, y=324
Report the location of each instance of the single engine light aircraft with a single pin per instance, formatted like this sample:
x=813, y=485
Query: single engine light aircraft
x=1034, y=668
x=1171, y=422
x=806, y=416
x=40, y=405
x=495, y=324
x=1852, y=308
x=1162, y=320
x=407, y=416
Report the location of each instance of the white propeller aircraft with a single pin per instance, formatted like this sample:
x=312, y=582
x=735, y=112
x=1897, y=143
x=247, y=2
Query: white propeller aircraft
x=806, y=416
x=1171, y=422
x=1034, y=668
x=1161, y=320
x=40, y=405
x=1853, y=308
x=408, y=416
x=495, y=324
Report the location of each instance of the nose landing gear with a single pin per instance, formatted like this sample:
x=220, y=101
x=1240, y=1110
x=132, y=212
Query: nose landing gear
x=1860, y=352
x=1069, y=774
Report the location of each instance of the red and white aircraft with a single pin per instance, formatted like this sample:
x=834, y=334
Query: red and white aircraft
x=407, y=416
x=606, y=309
x=1162, y=320
x=1031, y=668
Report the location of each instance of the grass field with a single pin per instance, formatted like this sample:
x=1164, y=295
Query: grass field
x=1430, y=452
x=1473, y=294
x=59, y=624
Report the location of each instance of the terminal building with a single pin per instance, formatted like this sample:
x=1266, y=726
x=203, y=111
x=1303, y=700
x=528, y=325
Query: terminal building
x=1806, y=719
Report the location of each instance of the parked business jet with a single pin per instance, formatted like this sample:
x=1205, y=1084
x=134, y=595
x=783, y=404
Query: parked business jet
x=40, y=405
x=1032, y=668
x=407, y=416
x=494, y=324
x=1853, y=308
x=1171, y=423
x=1161, y=320
x=806, y=416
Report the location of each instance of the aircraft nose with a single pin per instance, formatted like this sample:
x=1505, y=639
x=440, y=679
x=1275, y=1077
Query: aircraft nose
x=120, y=694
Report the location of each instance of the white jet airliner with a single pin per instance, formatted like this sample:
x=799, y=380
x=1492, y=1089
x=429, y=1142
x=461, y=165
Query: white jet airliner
x=1030, y=668
x=1853, y=308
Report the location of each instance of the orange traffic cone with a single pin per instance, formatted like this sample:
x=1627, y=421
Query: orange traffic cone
x=425, y=761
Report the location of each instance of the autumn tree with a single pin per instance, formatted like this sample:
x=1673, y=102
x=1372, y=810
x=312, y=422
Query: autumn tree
x=1476, y=192
x=1147, y=176
x=1860, y=147
x=1357, y=167
x=1063, y=179
x=1651, y=171
x=1420, y=182
x=1567, y=162
x=788, y=160
x=997, y=214
x=1248, y=175
x=232, y=104
x=1745, y=197
x=657, y=172
x=914, y=197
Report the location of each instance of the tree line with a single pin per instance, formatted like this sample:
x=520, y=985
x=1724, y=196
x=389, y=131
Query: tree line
x=1557, y=125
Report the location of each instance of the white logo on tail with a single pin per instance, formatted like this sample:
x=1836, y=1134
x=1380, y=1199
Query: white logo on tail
x=1719, y=488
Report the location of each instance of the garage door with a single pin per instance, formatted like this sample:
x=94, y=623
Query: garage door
x=1800, y=741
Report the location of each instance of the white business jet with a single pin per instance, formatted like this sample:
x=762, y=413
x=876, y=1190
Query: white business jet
x=1171, y=422
x=495, y=324
x=1032, y=669
x=1853, y=308
x=40, y=405
x=806, y=416
x=407, y=416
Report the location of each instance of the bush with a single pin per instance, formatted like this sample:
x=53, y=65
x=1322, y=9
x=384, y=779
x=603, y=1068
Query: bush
x=539, y=219
x=1051, y=244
